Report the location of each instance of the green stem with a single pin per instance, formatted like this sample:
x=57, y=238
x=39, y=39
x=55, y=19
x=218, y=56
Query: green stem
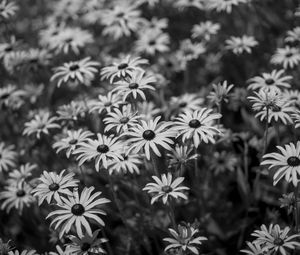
x=296, y=192
x=172, y=214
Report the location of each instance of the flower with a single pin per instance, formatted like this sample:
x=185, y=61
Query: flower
x=8, y=9
x=7, y=156
x=240, y=44
x=197, y=125
x=186, y=102
x=181, y=156
x=5, y=247
x=296, y=117
x=293, y=35
x=164, y=188
x=288, y=200
x=147, y=110
x=220, y=93
x=76, y=210
x=223, y=161
x=16, y=196
x=72, y=111
x=256, y=249
x=24, y=252
x=275, y=239
x=7, y=48
x=224, y=5
x=205, y=30
x=288, y=57
x=121, y=120
x=273, y=80
x=184, y=239
x=287, y=162
x=122, y=68
x=11, y=97
x=54, y=186
x=70, y=143
x=149, y=135
x=134, y=85
x=293, y=96
x=189, y=51
x=88, y=244
x=82, y=71
x=199, y=4
x=60, y=251
x=105, y=103
x=21, y=174
x=101, y=150
x=40, y=124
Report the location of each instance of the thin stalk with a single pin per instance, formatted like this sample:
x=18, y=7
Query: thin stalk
x=171, y=214
x=196, y=165
x=245, y=159
x=296, y=192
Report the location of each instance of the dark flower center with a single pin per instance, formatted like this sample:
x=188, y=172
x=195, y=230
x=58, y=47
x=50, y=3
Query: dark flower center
x=182, y=104
x=8, y=48
x=107, y=104
x=152, y=42
x=68, y=40
x=77, y=209
x=124, y=120
x=73, y=141
x=85, y=246
x=0, y=155
x=4, y=96
x=278, y=242
x=133, y=85
x=122, y=66
x=194, y=123
x=20, y=193
x=293, y=161
x=33, y=60
x=74, y=67
x=102, y=148
x=276, y=108
x=289, y=54
x=53, y=187
x=166, y=189
x=148, y=134
x=269, y=81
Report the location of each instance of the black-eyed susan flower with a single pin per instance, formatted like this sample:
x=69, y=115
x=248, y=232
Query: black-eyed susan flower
x=239, y=45
x=105, y=103
x=256, y=249
x=8, y=156
x=288, y=57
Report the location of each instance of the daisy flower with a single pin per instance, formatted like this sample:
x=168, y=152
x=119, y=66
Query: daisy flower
x=40, y=124
x=103, y=149
x=255, y=249
x=70, y=143
x=189, y=51
x=287, y=162
x=164, y=188
x=293, y=35
x=199, y=4
x=296, y=117
x=186, y=102
x=134, y=85
x=105, y=104
x=275, y=239
x=121, y=120
x=7, y=48
x=205, y=30
x=53, y=186
x=86, y=245
x=198, y=125
x=150, y=137
x=288, y=57
x=72, y=111
x=16, y=196
x=185, y=239
x=7, y=157
x=181, y=156
x=59, y=251
x=156, y=24
x=76, y=210
x=224, y=5
x=21, y=174
x=238, y=45
x=37, y=58
x=5, y=247
x=82, y=71
x=220, y=93
x=292, y=96
x=9, y=95
x=122, y=68
x=8, y=9
x=274, y=80
x=24, y=252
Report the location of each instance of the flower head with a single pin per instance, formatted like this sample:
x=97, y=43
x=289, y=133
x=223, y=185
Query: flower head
x=7, y=156
x=240, y=45
x=220, y=93
x=288, y=57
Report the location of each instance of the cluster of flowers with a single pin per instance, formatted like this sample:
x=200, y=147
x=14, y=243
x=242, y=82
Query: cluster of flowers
x=136, y=134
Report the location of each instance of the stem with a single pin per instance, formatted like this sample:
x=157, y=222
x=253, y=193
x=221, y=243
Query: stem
x=196, y=165
x=171, y=214
x=296, y=191
x=277, y=134
x=245, y=156
x=266, y=133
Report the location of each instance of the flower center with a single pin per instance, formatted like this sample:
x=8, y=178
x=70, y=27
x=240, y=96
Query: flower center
x=166, y=189
x=194, y=123
x=85, y=246
x=152, y=42
x=269, y=81
x=293, y=161
x=148, y=134
x=133, y=85
x=102, y=148
x=77, y=209
x=4, y=96
x=8, y=48
x=278, y=242
x=53, y=187
x=74, y=67
x=124, y=120
x=107, y=104
x=182, y=104
x=0, y=155
x=122, y=66
x=289, y=54
x=276, y=108
x=20, y=193
x=73, y=141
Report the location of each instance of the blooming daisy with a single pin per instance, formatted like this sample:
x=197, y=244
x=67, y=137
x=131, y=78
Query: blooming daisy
x=7, y=157
x=240, y=44
x=8, y=9
x=70, y=143
x=156, y=24
x=186, y=102
x=8, y=47
x=293, y=35
x=34, y=92
x=40, y=124
x=293, y=96
x=199, y=4
x=86, y=245
x=5, y=247
x=37, y=58
x=59, y=251
x=189, y=51
x=275, y=239
x=53, y=186
x=149, y=136
x=103, y=149
x=122, y=68
x=223, y=161
x=16, y=196
x=21, y=174
x=288, y=57
x=134, y=85
x=76, y=210
x=72, y=111
x=24, y=252
x=198, y=125
x=288, y=201
x=205, y=30
x=296, y=117
x=164, y=188
x=120, y=120
x=220, y=93
x=255, y=249
x=105, y=103
x=82, y=71
x=287, y=162
x=9, y=95
x=184, y=240
x=224, y=5
x=273, y=80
